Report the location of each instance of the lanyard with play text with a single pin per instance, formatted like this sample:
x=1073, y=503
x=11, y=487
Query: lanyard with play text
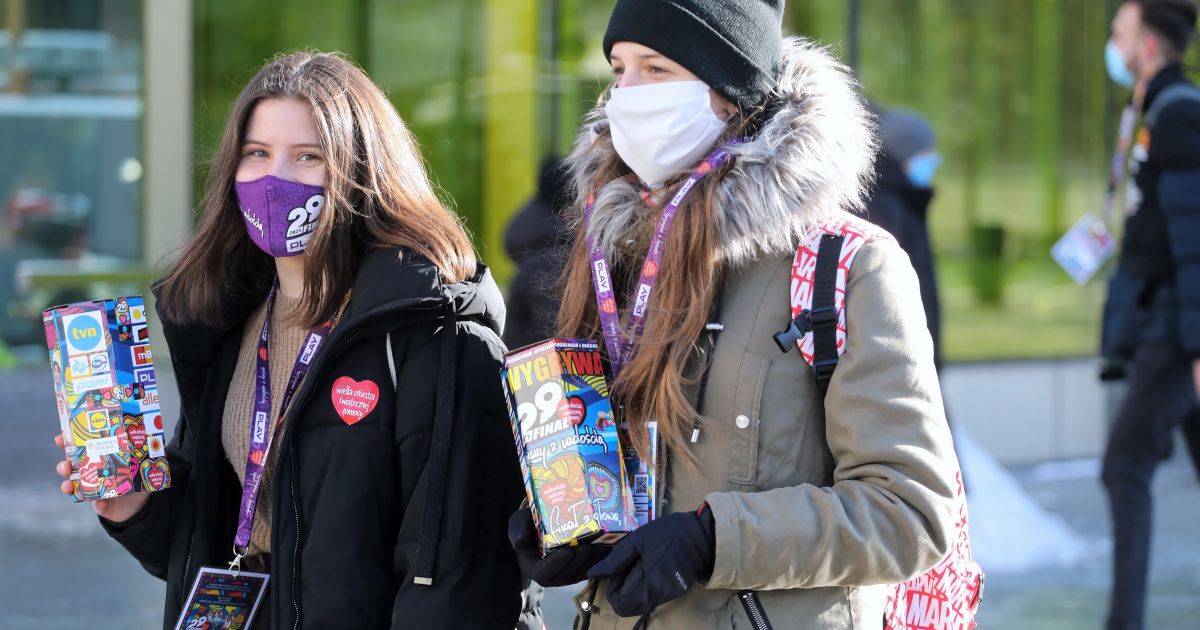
x=621, y=345
x=262, y=432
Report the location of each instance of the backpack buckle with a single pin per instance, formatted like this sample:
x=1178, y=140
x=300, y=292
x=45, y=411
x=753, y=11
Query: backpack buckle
x=795, y=331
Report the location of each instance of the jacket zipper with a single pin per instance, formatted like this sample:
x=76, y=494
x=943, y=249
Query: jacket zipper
x=296, y=549
x=187, y=564
x=754, y=610
x=298, y=402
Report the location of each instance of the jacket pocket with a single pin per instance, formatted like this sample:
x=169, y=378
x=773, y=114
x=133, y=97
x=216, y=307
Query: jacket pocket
x=747, y=403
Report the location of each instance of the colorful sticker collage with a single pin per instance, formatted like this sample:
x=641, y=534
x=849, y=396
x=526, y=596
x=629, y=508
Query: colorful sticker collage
x=107, y=397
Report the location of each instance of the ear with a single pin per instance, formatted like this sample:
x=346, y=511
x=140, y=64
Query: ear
x=721, y=106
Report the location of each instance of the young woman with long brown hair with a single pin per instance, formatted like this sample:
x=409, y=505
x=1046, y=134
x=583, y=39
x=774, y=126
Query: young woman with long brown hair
x=378, y=496
x=718, y=149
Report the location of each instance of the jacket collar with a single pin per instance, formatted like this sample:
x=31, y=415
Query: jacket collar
x=1165, y=77
x=812, y=160
x=388, y=281
x=391, y=280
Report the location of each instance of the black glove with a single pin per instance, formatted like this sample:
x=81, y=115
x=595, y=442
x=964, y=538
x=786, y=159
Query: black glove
x=657, y=562
x=560, y=567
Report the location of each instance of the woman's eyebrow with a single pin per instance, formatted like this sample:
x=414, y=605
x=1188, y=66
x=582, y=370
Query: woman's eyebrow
x=643, y=56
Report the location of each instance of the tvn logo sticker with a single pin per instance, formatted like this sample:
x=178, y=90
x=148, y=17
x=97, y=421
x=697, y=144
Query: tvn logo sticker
x=643, y=297
x=260, y=427
x=99, y=362
x=141, y=355
x=84, y=332
x=602, y=279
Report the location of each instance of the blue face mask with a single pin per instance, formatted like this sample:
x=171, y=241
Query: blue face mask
x=921, y=169
x=1117, y=70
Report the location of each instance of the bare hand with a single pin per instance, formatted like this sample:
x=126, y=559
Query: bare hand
x=1196, y=376
x=117, y=510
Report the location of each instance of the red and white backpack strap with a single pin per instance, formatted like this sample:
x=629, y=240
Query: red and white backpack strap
x=857, y=232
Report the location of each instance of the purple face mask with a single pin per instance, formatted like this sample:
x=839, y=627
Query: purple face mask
x=280, y=215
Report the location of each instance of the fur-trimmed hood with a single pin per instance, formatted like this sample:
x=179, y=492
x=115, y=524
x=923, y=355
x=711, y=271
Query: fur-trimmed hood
x=811, y=160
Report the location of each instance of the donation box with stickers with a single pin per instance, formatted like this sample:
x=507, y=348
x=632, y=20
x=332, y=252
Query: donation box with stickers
x=567, y=441
x=107, y=396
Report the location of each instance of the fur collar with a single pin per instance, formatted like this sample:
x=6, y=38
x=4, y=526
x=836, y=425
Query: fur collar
x=811, y=161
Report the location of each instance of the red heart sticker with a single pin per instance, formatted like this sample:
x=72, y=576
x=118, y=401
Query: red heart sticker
x=573, y=409
x=137, y=436
x=554, y=493
x=353, y=400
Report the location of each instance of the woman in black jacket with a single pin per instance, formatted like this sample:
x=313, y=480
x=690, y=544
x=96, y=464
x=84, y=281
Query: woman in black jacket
x=385, y=483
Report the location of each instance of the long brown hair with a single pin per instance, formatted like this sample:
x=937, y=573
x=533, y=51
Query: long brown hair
x=378, y=195
x=655, y=383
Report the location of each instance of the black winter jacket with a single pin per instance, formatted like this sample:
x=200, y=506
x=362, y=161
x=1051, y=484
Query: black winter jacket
x=421, y=487
x=901, y=208
x=1155, y=295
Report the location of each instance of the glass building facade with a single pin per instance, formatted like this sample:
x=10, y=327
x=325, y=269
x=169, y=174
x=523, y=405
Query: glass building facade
x=1017, y=92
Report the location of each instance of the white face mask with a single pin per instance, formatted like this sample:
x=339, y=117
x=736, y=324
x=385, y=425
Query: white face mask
x=662, y=129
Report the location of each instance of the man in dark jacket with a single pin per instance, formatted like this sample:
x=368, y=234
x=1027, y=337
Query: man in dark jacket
x=395, y=520
x=1152, y=319
x=904, y=178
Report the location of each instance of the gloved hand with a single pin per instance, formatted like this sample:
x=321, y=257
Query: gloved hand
x=560, y=567
x=658, y=561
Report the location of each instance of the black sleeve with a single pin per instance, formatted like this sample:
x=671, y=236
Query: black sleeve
x=147, y=535
x=1176, y=144
x=476, y=582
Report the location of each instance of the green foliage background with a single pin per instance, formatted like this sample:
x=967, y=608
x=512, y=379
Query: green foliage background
x=1017, y=91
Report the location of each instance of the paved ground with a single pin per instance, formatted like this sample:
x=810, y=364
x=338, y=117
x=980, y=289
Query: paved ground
x=61, y=572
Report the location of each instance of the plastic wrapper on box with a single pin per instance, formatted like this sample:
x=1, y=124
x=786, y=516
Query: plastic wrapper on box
x=107, y=396
x=566, y=437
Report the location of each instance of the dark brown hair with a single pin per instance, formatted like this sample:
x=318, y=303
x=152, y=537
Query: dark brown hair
x=1172, y=20
x=378, y=195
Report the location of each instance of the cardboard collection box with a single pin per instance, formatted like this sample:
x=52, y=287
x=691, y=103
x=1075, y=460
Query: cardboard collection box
x=107, y=395
x=567, y=440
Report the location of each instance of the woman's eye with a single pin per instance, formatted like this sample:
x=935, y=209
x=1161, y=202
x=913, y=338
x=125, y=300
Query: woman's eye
x=656, y=70
x=618, y=71
x=258, y=153
x=309, y=157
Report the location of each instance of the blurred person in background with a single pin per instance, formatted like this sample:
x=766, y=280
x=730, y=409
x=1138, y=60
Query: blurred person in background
x=1152, y=318
x=904, y=171
x=537, y=240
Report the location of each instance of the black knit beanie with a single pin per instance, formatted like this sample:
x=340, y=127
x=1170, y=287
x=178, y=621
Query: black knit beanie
x=732, y=45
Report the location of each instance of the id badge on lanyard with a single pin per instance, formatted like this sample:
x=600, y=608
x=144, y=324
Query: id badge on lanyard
x=220, y=596
x=1088, y=245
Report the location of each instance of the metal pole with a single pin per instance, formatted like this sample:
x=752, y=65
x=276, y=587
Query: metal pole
x=14, y=14
x=852, y=20
x=555, y=78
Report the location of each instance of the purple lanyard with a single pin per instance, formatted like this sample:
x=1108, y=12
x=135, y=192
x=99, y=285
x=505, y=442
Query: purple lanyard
x=1124, y=142
x=621, y=346
x=262, y=436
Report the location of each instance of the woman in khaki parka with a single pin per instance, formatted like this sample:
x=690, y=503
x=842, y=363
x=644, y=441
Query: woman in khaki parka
x=813, y=505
